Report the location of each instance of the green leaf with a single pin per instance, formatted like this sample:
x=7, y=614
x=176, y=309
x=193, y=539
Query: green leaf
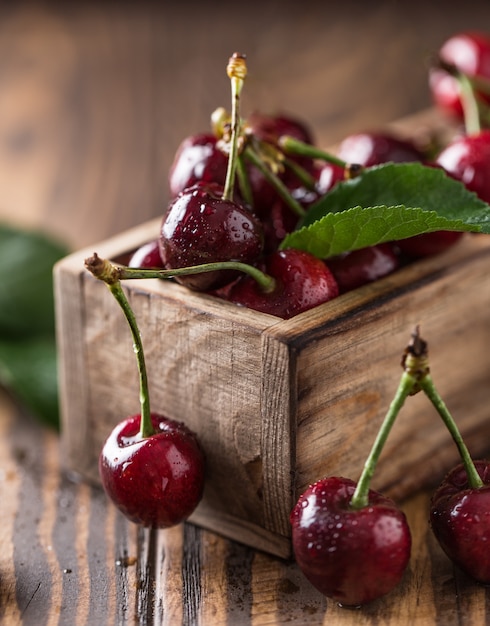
x=26, y=283
x=386, y=203
x=28, y=368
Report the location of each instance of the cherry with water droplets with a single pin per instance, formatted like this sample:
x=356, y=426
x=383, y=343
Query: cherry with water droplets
x=156, y=481
x=353, y=556
x=302, y=282
x=460, y=520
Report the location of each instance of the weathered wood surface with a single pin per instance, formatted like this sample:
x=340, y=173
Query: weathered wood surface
x=67, y=557
x=94, y=99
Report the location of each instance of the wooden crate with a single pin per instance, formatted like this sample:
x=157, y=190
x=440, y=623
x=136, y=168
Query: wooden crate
x=279, y=403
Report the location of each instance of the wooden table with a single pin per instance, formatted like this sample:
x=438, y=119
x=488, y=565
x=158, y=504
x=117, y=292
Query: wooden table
x=94, y=100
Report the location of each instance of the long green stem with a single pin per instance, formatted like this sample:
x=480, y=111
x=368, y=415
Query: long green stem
x=471, y=110
x=146, y=426
x=275, y=181
x=360, y=498
x=237, y=71
x=427, y=384
x=290, y=145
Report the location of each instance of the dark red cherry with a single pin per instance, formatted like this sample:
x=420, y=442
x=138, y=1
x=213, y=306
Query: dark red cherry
x=303, y=282
x=373, y=148
x=198, y=159
x=359, y=267
x=468, y=52
x=467, y=158
x=353, y=556
x=147, y=256
x=328, y=176
x=156, y=481
x=271, y=127
x=460, y=520
x=200, y=227
x=428, y=244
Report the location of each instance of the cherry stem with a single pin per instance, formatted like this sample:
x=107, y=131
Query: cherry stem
x=416, y=377
x=108, y=274
x=274, y=180
x=291, y=145
x=360, y=497
x=106, y=271
x=427, y=384
x=469, y=103
x=237, y=71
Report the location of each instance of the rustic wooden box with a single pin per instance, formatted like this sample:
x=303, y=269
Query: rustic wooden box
x=278, y=404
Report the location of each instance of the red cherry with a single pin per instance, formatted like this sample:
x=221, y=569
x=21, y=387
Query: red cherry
x=460, y=520
x=467, y=158
x=359, y=267
x=198, y=159
x=200, y=227
x=468, y=52
x=428, y=244
x=303, y=282
x=373, y=148
x=155, y=481
x=271, y=127
x=147, y=256
x=351, y=555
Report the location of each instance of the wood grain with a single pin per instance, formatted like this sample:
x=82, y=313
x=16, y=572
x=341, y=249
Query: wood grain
x=67, y=557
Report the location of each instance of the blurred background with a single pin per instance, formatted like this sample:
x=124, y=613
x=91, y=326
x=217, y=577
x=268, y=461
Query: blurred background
x=95, y=97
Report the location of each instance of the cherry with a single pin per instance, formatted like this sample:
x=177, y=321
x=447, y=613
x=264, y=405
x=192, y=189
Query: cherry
x=201, y=226
x=467, y=158
x=373, y=148
x=359, y=267
x=156, y=481
x=271, y=127
x=147, y=255
x=198, y=159
x=350, y=555
x=302, y=282
x=204, y=224
x=151, y=467
x=469, y=53
x=427, y=244
x=460, y=520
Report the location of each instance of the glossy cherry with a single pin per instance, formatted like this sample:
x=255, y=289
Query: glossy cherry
x=359, y=267
x=156, y=481
x=147, y=256
x=373, y=148
x=351, y=555
x=202, y=227
x=467, y=158
x=302, y=282
x=198, y=159
x=428, y=244
x=467, y=52
x=460, y=520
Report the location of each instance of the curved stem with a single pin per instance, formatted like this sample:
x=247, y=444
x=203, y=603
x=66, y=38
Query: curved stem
x=104, y=270
x=427, y=384
x=237, y=71
x=360, y=497
x=146, y=426
x=471, y=110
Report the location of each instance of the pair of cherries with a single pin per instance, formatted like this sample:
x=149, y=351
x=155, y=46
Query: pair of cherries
x=353, y=544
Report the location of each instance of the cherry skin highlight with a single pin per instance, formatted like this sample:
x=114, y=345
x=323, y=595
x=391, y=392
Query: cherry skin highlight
x=200, y=227
x=467, y=159
x=460, y=521
x=155, y=481
x=351, y=556
x=147, y=256
x=359, y=267
x=303, y=282
x=374, y=148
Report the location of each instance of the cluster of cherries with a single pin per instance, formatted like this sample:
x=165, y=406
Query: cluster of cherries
x=236, y=193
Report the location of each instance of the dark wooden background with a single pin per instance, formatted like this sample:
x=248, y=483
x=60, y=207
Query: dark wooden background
x=94, y=99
